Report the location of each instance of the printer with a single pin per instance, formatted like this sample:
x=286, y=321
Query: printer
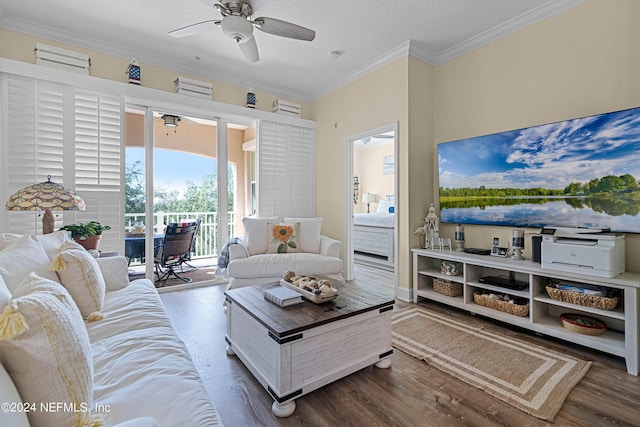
x=583, y=250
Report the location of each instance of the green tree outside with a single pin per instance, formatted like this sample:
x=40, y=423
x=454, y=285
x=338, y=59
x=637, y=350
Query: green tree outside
x=198, y=197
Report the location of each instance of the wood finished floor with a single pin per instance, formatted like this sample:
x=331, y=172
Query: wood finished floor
x=410, y=393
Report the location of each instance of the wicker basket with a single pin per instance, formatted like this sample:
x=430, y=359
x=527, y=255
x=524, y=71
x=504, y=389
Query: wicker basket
x=445, y=287
x=584, y=325
x=592, y=301
x=515, y=309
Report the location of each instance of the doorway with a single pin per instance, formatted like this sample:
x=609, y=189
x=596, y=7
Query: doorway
x=370, y=231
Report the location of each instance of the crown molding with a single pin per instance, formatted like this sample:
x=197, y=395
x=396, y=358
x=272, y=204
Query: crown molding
x=371, y=66
x=410, y=47
x=147, y=57
x=538, y=14
x=415, y=49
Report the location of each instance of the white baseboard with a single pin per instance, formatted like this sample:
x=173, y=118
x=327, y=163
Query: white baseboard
x=404, y=294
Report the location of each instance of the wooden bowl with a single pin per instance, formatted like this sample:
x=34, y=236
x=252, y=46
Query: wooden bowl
x=584, y=325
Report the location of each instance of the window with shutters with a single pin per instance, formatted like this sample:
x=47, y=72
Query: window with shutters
x=69, y=134
x=33, y=146
x=97, y=161
x=286, y=170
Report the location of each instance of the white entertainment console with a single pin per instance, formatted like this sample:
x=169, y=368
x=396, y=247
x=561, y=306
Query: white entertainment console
x=620, y=339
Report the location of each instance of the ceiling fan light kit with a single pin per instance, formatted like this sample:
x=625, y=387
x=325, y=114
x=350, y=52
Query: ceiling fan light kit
x=237, y=25
x=237, y=28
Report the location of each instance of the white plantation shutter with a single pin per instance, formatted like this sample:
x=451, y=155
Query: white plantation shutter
x=97, y=162
x=97, y=135
x=286, y=170
x=33, y=147
x=72, y=135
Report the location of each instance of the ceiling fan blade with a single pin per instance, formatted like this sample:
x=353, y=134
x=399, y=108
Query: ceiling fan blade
x=284, y=29
x=250, y=50
x=194, y=28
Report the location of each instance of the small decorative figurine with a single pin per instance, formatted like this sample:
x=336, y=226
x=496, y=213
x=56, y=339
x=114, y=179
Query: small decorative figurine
x=431, y=225
x=251, y=98
x=134, y=72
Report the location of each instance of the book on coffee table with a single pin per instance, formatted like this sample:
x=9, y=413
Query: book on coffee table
x=282, y=296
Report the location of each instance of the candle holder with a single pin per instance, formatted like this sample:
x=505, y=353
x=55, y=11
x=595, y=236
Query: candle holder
x=459, y=238
x=518, y=244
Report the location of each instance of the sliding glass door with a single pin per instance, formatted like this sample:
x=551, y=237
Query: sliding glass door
x=173, y=175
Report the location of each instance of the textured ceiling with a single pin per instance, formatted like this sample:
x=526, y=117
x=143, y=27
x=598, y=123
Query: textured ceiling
x=370, y=33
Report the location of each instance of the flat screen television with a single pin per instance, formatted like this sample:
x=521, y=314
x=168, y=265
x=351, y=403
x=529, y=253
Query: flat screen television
x=575, y=173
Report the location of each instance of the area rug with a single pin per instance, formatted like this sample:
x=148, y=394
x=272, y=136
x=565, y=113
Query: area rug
x=531, y=378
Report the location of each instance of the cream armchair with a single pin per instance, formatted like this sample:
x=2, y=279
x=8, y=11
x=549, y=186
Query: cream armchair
x=256, y=258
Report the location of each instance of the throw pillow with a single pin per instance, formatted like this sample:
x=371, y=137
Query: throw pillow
x=44, y=346
x=383, y=206
x=80, y=273
x=7, y=238
x=115, y=272
x=283, y=238
x=51, y=242
x=255, y=233
x=22, y=257
x=309, y=234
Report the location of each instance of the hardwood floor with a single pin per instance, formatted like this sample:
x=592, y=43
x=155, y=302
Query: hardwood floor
x=410, y=393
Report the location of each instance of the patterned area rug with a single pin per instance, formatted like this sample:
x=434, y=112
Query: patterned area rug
x=531, y=378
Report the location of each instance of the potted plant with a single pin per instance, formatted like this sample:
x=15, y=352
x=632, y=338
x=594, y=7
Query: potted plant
x=88, y=235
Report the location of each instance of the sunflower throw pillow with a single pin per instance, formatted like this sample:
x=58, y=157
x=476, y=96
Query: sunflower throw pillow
x=283, y=238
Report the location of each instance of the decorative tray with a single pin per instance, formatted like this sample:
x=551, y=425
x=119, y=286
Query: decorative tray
x=317, y=299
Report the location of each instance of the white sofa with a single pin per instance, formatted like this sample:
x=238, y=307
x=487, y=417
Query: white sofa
x=142, y=373
x=255, y=259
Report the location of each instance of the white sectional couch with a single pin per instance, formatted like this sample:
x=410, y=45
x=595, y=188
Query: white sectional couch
x=138, y=373
x=256, y=258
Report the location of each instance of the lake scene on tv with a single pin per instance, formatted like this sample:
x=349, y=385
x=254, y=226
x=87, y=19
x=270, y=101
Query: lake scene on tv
x=576, y=173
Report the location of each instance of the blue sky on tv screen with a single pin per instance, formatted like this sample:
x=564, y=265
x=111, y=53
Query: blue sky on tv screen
x=548, y=156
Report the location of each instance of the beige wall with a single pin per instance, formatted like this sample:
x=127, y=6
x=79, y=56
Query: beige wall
x=419, y=161
x=378, y=99
x=20, y=47
x=577, y=63
x=367, y=164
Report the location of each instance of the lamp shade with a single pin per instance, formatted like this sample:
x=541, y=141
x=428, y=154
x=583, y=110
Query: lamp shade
x=45, y=196
x=369, y=198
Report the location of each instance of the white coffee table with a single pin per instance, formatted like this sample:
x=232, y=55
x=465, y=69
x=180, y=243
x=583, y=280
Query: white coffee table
x=295, y=350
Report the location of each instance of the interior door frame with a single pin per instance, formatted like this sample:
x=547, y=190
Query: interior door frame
x=349, y=211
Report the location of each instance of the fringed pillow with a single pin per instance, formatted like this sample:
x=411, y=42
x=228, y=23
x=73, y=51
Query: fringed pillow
x=80, y=273
x=45, y=348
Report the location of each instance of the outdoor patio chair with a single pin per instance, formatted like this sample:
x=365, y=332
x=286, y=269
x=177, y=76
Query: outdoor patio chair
x=171, y=255
x=187, y=258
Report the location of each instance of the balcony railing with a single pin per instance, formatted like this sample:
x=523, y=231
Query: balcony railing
x=207, y=239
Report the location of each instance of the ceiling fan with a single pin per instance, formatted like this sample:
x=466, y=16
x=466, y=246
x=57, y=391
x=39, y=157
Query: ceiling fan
x=236, y=24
